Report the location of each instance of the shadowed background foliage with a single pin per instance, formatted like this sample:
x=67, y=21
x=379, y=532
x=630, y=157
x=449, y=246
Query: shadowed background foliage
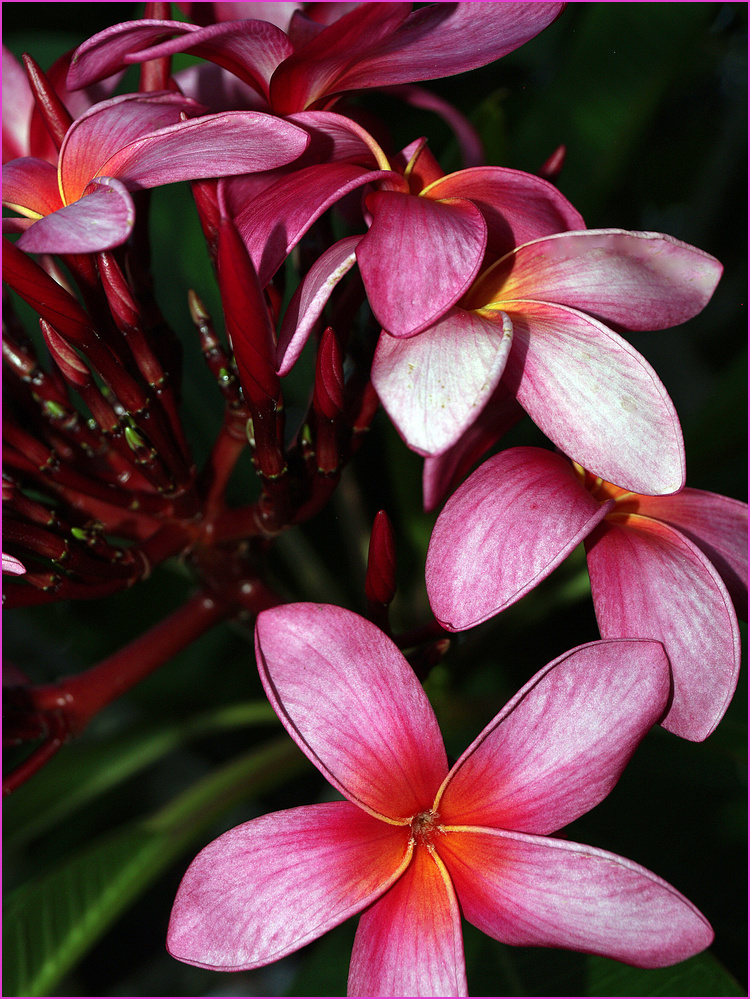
x=650, y=101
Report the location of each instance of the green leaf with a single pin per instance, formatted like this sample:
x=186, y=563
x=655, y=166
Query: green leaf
x=702, y=975
x=85, y=770
x=53, y=920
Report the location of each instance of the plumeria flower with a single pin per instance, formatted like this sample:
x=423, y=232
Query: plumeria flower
x=670, y=568
x=338, y=48
x=554, y=301
x=416, y=845
x=127, y=144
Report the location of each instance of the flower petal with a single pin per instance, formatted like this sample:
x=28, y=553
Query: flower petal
x=717, y=525
x=595, y=397
x=443, y=472
x=350, y=700
x=409, y=943
x=649, y=581
x=532, y=891
x=513, y=521
x=310, y=299
x=418, y=258
x=16, y=111
x=30, y=186
x=434, y=385
x=638, y=280
x=216, y=145
x=441, y=40
x=101, y=219
x=559, y=746
x=269, y=886
x=517, y=206
x=274, y=222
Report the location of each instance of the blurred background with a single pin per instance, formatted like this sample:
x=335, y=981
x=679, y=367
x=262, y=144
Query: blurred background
x=650, y=100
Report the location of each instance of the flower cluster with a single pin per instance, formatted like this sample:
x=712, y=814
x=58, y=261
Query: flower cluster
x=461, y=303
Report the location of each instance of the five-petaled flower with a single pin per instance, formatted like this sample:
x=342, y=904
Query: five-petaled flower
x=415, y=845
x=669, y=568
x=127, y=144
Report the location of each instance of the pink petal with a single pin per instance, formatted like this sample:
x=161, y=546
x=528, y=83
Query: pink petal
x=638, y=280
x=30, y=186
x=337, y=138
x=595, y=397
x=409, y=943
x=12, y=566
x=217, y=145
x=438, y=41
x=310, y=299
x=505, y=529
x=251, y=49
x=100, y=220
x=559, y=746
x=531, y=891
x=517, y=206
x=107, y=127
x=16, y=110
x=649, y=581
x=269, y=886
x=350, y=700
x=274, y=222
x=434, y=385
x=397, y=258
x=717, y=525
x=445, y=471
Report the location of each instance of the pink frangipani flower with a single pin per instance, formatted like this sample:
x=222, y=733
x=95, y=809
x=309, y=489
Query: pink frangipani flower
x=553, y=301
x=127, y=144
x=416, y=845
x=352, y=47
x=667, y=568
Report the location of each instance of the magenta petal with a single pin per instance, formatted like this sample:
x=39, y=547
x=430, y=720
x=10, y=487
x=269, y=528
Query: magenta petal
x=16, y=111
x=517, y=206
x=638, y=280
x=269, y=886
x=443, y=472
x=717, y=525
x=217, y=145
x=100, y=220
x=30, y=186
x=532, y=891
x=309, y=300
x=398, y=258
x=559, y=746
x=438, y=41
x=434, y=385
x=649, y=581
x=595, y=397
x=274, y=222
x=409, y=942
x=350, y=700
x=513, y=521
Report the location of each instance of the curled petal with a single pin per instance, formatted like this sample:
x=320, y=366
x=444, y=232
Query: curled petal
x=350, y=700
x=513, y=521
x=12, y=566
x=16, y=111
x=717, y=525
x=516, y=206
x=637, y=280
x=310, y=299
x=649, y=581
x=418, y=258
x=595, y=397
x=532, y=891
x=30, y=186
x=434, y=385
x=409, y=943
x=101, y=219
x=559, y=746
x=269, y=886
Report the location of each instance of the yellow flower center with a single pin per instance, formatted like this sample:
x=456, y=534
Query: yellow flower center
x=424, y=827
x=626, y=502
